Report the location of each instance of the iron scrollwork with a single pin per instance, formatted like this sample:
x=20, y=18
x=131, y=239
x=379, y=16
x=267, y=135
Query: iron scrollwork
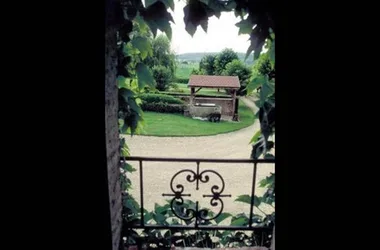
x=178, y=193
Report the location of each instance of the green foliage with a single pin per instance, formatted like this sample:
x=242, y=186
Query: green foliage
x=162, y=62
x=162, y=77
x=182, y=80
x=196, y=57
x=207, y=64
x=164, y=239
x=157, y=17
x=183, y=71
x=197, y=72
x=223, y=58
x=132, y=55
x=144, y=76
x=263, y=66
x=163, y=107
x=162, y=55
x=160, y=98
x=264, y=79
x=238, y=68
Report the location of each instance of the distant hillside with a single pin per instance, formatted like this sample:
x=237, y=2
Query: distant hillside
x=197, y=56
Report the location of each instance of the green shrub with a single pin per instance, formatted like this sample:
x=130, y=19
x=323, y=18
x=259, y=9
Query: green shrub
x=198, y=95
x=160, y=98
x=163, y=107
x=182, y=80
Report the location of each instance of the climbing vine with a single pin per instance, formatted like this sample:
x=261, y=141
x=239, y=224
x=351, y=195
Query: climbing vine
x=136, y=20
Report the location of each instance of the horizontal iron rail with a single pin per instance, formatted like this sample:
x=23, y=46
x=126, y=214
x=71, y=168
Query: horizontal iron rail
x=139, y=158
x=181, y=227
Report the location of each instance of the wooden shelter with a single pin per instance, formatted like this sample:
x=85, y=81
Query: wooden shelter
x=217, y=82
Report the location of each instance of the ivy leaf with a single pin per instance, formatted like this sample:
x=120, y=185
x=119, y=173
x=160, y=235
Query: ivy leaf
x=245, y=198
x=160, y=219
x=147, y=217
x=124, y=31
x=164, y=26
x=128, y=168
x=138, y=101
x=126, y=94
x=245, y=26
x=121, y=82
x=267, y=89
x=161, y=209
x=249, y=51
x=256, y=82
x=255, y=137
x=219, y=6
x=169, y=3
x=133, y=105
x=222, y=217
x=157, y=17
x=131, y=12
x=204, y=1
x=195, y=13
x=267, y=181
x=190, y=28
x=124, y=149
x=144, y=76
x=132, y=205
x=242, y=221
x=204, y=25
x=257, y=37
x=272, y=53
x=256, y=201
x=143, y=45
x=257, y=149
x=269, y=157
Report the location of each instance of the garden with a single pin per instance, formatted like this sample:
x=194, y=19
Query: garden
x=152, y=87
x=165, y=102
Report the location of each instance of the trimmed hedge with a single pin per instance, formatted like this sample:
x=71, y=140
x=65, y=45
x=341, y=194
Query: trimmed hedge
x=198, y=95
x=160, y=98
x=182, y=80
x=163, y=107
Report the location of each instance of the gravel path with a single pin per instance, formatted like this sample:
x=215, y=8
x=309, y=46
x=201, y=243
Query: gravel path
x=233, y=145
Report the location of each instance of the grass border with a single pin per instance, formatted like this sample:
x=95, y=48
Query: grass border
x=223, y=132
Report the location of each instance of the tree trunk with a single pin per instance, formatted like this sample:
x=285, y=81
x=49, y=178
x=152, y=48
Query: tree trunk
x=273, y=240
x=111, y=124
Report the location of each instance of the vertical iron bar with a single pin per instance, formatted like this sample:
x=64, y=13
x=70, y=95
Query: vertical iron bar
x=197, y=177
x=196, y=214
x=141, y=195
x=252, y=194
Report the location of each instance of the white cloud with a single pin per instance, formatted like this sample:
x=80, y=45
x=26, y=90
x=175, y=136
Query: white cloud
x=221, y=33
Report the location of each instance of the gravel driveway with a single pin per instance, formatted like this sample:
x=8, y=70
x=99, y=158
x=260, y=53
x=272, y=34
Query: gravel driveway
x=237, y=177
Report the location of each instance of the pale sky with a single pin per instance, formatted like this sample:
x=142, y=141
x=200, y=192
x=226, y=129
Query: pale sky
x=221, y=33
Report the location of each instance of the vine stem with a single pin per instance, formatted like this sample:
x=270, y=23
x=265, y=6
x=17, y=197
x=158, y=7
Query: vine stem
x=261, y=211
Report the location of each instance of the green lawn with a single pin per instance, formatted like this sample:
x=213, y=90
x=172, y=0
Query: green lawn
x=184, y=70
x=160, y=124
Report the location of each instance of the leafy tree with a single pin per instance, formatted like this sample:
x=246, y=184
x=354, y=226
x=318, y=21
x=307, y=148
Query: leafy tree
x=162, y=62
x=222, y=59
x=207, y=64
x=263, y=66
x=238, y=68
x=163, y=77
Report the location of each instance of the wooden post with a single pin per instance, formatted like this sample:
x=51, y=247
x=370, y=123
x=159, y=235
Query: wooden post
x=192, y=95
x=234, y=106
